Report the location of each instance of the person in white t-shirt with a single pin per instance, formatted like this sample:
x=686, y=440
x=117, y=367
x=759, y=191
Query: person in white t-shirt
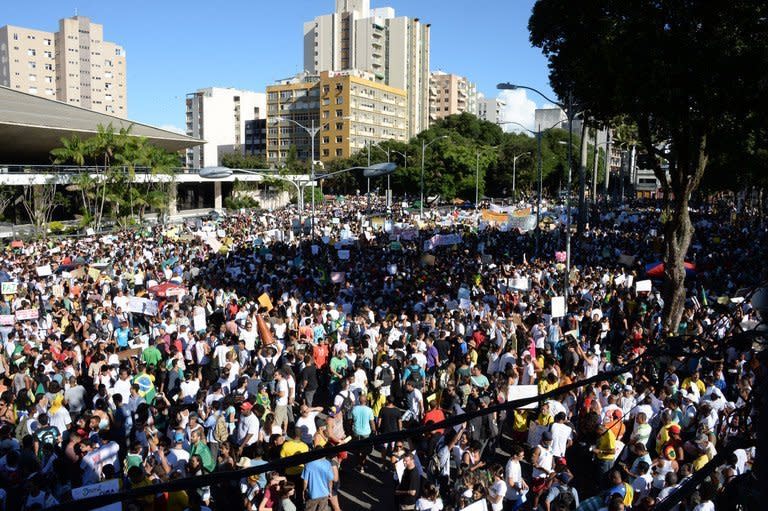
x=561, y=435
x=498, y=489
x=513, y=475
x=247, y=426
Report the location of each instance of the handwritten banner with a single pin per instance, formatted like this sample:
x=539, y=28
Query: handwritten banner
x=25, y=314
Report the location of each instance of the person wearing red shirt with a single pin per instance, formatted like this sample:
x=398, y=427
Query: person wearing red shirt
x=434, y=415
x=320, y=353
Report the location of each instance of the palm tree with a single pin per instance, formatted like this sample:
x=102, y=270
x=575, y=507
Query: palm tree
x=104, y=145
x=134, y=153
x=72, y=150
x=626, y=137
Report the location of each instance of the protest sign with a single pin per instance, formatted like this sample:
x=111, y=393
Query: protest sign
x=44, y=271
x=343, y=255
x=463, y=293
x=492, y=216
x=127, y=354
x=140, y=305
x=522, y=223
x=338, y=277
x=558, y=306
x=464, y=304
x=199, y=322
x=439, y=240
x=395, y=245
x=522, y=391
x=94, y=273
x=265, y=302
x=626, y=259
x=9, y=288
x=24, y=314
x=392, y=269
x=428, y=260
x=519, y=284
x=102, y=488
x=7, y=319
x=315, y=249
x=643, y=286
x=175, y=291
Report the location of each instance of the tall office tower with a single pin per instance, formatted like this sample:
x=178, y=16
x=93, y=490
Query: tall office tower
x=394, y=49
x=74, y=65
x=220, y=116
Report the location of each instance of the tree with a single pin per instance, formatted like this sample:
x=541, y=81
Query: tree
x=680, y=70
x=7, y=195
x=40, y=201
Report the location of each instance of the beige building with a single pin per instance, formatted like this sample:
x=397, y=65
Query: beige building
x=450, y=94
x=395, y=50
x=349, y=109
x=73, y=65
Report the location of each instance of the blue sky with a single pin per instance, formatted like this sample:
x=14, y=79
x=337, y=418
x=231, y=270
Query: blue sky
x=174, y=47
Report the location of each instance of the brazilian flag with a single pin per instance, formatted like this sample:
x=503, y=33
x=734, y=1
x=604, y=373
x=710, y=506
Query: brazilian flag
x=146, y=387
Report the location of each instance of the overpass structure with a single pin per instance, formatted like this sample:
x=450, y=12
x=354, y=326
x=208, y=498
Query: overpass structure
x=38, y=175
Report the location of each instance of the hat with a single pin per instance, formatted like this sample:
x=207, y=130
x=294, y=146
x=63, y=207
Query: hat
x=178, y=437
x=628, y=388
x=547, y=435
x=246, y=406
x=564, y=477
x=674, y=429
x=244, y=462
x=526, y=353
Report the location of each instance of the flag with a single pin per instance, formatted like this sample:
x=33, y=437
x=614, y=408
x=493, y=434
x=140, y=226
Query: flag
x=704, y=300
x=146, y=387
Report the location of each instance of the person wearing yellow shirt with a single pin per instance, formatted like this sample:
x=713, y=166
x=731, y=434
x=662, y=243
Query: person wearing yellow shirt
x=605, y=449
x=694, y=379
x=292, y=447
x=548, y=384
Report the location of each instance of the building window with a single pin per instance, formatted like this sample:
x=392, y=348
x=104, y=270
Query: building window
x=340, y=100
x=326, y=140
x=339, y=125
x=48, y=67
x=33, y=90
x=118, y=51
x=31, y=52
x=339, y=152
x=326, y=114
x=47, y=42
x=326, y=152
x=49, y=92
x=326, y=101
x=32, y=65
x=339, y=113
x=15, y=37
x=48, y=79
x=339, y=139
x=326, y=89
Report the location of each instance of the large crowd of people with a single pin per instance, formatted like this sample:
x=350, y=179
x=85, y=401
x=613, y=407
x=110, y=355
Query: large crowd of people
x=169, y=352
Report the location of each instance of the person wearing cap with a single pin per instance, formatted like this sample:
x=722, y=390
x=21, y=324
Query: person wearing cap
x=178, y=456
x=247, y=426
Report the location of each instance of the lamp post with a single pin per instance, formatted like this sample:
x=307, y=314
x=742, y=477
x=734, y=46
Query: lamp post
x=312, y=131
x=568, y=108
x=477, y=173
x=387, y=152
x=538, y=135
x=514, y=170
x=424, y=146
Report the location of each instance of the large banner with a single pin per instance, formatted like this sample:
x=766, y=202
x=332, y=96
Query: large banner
x=523, y=223
x=439, y=240
x=492, y=216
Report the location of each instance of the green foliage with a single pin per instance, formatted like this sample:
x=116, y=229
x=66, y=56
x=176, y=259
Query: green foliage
x=240, y=202
x=244, y=161
x=56, y=227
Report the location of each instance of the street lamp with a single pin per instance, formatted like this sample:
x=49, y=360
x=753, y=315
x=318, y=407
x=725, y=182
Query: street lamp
x=570, y=114
x=477, y=173
x=424, y=146
x=538, y=135
x=312, y=131
x=514, y=170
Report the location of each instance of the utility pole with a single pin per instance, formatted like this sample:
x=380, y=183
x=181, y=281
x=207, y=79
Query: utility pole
x=583, y=177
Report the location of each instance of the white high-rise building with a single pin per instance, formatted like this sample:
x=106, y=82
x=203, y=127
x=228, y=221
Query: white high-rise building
x=489, y=109
x=394, y=49
x=218, y=116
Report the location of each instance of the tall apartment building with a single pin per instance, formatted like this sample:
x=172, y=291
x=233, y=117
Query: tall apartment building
x=219, y=116
x=350, y=109
x=490, y=109
x=74, y=65
x=394, y=49
x=450, y=94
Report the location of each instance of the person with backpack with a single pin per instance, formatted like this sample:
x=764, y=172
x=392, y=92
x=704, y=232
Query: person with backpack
x=385, y=373
x=561, y=496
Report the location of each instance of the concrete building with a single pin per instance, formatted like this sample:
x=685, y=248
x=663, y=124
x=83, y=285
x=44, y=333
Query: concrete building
x=490, y=109
x=394, y=49
x=349, y=108
x=297, y=99
x=73, y=65
x=255, y=137
x=219, y=116
x=450, y=94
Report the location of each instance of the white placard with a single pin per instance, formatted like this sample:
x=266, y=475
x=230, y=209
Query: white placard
x=465, y=304
x=102, y=488
x=175, y=291
x=44, y=271
x=522, y=391
x=392, y=269
x=520, y=284
x=338, y=277
x=142, y=306
x=643, y=286
x=558, y=306
x=480, y=505
x=199, y=323
x=9, y=288
x=21, y=315
x=7, y=319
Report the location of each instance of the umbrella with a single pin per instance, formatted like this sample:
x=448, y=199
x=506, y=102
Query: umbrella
x=163, y=289
x=656, y=270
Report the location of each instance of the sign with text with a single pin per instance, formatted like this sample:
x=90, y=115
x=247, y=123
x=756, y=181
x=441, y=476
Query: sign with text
x=9, y=288
x=25, y=314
